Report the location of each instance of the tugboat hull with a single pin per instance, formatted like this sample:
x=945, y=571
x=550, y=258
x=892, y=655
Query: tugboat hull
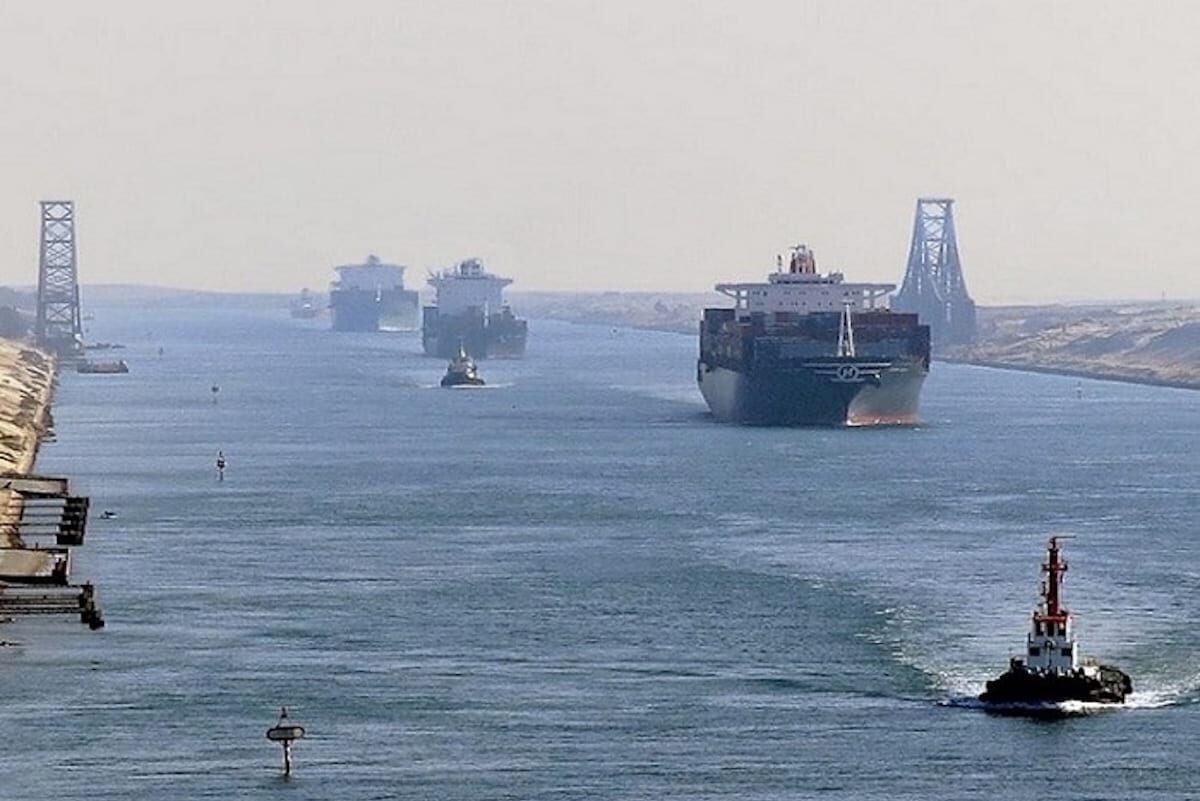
x=1105, y=685
x=461, y=381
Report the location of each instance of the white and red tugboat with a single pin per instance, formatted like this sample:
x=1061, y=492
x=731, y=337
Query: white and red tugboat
x=1051, y=672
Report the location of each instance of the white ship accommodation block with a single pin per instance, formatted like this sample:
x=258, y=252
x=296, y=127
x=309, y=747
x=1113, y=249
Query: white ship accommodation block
x=468, y=286
x=802, y=290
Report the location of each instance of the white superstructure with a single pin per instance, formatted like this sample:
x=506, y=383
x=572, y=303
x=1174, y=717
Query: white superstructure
x=802, y=290
x=1051, y=643
x=467, y=285
x=372, y=275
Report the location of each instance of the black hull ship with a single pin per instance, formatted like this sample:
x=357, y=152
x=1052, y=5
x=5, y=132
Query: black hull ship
x=470, y=313
x=1051, y=672
x=809, y=349
x=371, y=297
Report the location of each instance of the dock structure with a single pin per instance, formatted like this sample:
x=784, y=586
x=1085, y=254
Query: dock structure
x=934, y=287
x=70, y=600
x=35, y=573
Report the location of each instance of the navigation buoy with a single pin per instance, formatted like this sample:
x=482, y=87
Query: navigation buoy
x=285, y=733
x=220, y=466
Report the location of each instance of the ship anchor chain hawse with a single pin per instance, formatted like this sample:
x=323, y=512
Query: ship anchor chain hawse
x=1051, y=672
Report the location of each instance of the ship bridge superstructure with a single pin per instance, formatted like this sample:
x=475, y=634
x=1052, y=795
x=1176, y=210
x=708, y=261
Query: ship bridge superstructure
x=1051, y=642
x=801, y=289
x=466, y=286
x=372, y=275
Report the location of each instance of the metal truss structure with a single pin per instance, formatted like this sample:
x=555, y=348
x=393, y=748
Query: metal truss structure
x=934, y=287
x=58, y=326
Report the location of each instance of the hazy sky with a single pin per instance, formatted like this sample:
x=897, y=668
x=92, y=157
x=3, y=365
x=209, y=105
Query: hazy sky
x=605, y=145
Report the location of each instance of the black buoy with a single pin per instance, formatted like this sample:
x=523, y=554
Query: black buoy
x=285, y=733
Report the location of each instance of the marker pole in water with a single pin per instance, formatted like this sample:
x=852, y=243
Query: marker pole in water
x=284, y=733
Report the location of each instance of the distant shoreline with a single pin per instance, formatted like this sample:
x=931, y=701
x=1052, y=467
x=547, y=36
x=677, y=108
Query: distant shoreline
x=1094, y=375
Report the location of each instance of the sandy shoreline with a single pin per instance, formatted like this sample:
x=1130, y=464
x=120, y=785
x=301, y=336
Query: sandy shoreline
x=1076, y=372
x=26, y=391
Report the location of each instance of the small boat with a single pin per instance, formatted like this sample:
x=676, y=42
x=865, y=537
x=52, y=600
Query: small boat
x=462, y=372
x=303, y=308
x=118, y=366
x=1051, y=671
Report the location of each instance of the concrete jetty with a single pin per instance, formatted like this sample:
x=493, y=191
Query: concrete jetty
x=40, y=517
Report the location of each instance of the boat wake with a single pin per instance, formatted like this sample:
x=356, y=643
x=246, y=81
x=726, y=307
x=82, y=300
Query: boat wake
x=471, y=387
x=1048, y=710
x=1153, y=698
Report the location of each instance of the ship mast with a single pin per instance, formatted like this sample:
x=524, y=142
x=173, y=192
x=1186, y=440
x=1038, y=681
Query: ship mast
x=1051, y=642
x=1054, y=567
x=845, y=347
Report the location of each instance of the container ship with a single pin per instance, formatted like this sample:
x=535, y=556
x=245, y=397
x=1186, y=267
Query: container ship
x=807, y=348
x=470, y=314
x=371, y=297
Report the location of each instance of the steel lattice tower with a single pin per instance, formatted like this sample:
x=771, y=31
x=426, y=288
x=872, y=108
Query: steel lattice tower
x=58, y=326
x=934, y=286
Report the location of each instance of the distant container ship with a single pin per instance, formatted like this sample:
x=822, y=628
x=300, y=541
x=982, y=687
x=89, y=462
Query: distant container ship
x=371, y=297
x=470, y=314
x=810, y=349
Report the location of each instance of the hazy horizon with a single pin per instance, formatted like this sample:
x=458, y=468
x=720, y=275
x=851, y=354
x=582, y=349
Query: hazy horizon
x=579, y=146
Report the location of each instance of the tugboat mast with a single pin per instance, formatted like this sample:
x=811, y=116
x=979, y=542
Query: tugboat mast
x=1051, y=644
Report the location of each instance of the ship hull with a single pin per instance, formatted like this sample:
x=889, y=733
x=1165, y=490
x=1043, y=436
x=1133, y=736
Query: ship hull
x=365, y=310
x=781, y=370
x=494, y=337
x=810, y=397
x=1024, y=687
x=449, y=380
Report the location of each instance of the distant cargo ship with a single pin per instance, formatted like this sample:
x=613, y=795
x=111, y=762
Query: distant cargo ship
x=371, y=297
x=470, y=313
x=807, y=348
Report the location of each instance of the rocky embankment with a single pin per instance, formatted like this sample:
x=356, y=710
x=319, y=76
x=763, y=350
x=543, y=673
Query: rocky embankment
x=1144, y=343
x=1153, y=343
x=26, y=384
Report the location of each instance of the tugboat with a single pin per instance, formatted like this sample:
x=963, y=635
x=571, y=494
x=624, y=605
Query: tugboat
x=1051, y=672
x=462, y=371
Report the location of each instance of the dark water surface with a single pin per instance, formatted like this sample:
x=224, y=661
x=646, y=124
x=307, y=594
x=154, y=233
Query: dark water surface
x=573, y=584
